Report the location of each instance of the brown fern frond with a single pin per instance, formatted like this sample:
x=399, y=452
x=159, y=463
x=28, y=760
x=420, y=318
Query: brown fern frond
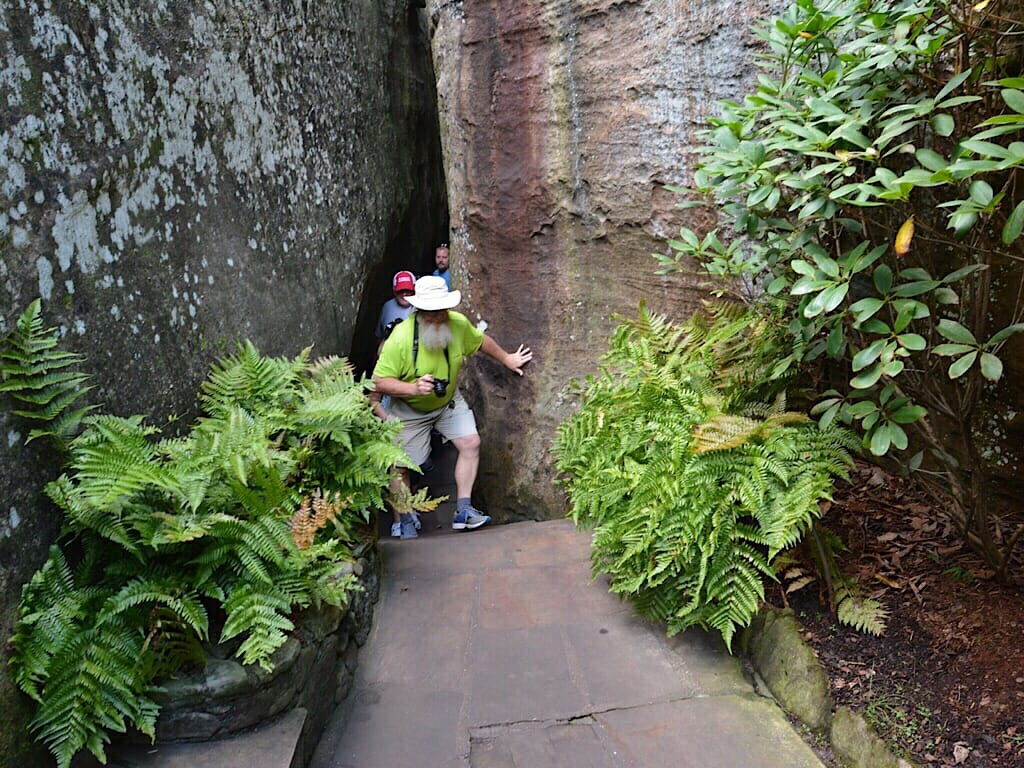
x=723, y=432
x=314, y=513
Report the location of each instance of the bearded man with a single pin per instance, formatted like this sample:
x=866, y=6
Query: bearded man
x=419, y=367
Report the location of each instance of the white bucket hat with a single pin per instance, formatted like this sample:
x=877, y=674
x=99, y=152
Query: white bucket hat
x=432, y=294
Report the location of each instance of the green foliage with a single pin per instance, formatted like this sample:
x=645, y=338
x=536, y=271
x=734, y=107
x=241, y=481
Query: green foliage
x=42, y=380
x=845, y=600
x=184, y=538
x=691, y=485
x=870, y=123
x=861, y=613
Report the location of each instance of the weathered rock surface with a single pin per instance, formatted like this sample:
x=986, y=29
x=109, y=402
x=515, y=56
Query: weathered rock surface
x=856, y=744
x=561, y=121
x=175, y=176
x=789, y=667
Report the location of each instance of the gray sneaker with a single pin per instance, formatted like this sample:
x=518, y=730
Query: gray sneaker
x=409, y=527
x=468, y=519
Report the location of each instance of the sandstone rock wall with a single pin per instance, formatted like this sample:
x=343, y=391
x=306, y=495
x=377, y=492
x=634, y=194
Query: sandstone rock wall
x=175, y=176
x=561, y=121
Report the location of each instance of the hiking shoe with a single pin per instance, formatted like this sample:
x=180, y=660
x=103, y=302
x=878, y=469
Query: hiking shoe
x=408, y=527
x=396, y=530
x=468, y=519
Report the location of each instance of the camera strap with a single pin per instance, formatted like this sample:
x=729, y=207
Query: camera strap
x=416, y=348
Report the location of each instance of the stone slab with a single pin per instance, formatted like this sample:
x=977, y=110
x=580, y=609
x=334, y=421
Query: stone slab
x=712, y=732
x=270, y=746
x=489, y=650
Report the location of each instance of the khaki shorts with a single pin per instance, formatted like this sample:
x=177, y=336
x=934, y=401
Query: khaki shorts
x=452, y=421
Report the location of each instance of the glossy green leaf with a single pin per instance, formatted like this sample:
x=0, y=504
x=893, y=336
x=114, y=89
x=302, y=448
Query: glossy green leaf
x=726, y=138
x=931, y=159
x=829, y=416
x=914, y=273
x=893, y=368
x=1014, y=224
x=874, y=325
x=861, y=409
x=1014, y=99
x=865, y=308
x=807, y=285
x=903, y=320
x=883, y=278
x=834, y=296
x=917, y=309
x=836, y=340
x=867, y=379
x=963, y=272
x=898, y=436
x=981, y=193
x=943, y=124
x=948, y=350
x=915, y=288
x=912, y=341
x=827, y=265
x=961, y=366
x=802, y=267
x=953, y=331
x=1006, y=333
x=868, y=355
x=909, y=414
x=954, y=82
x=991, y=366
x=880, y=440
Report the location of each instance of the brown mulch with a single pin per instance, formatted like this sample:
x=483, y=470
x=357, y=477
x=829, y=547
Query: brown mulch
x=945, y=683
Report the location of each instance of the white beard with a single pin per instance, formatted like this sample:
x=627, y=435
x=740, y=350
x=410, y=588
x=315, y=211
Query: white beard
x=435, y=336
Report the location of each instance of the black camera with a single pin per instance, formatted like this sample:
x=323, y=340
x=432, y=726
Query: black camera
x=440, y=387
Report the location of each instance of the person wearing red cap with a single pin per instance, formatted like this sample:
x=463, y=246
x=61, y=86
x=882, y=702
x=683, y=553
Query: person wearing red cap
x=403, y=284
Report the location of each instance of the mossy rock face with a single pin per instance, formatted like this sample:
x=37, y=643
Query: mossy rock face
x=179, y=176
x=789, y=667
x=856, y=744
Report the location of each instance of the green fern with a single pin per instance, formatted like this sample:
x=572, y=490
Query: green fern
x=42, y=380
x=171, y=530
x=691, y=486
x=861, y=613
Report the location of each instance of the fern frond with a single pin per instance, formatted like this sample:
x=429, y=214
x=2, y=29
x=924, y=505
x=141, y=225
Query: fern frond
x=42, y=379
x=261, y=613
x=250, y=382
x=861, y=613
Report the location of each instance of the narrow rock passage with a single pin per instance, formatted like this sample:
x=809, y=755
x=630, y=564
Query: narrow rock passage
x=492, y=649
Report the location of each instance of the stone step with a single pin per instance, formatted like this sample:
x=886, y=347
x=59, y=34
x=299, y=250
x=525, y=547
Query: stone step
x=273, y=745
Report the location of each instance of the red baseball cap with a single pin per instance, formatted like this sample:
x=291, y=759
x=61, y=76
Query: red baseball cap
x=403, y=281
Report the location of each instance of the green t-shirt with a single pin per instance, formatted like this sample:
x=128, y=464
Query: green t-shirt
x=395, y=361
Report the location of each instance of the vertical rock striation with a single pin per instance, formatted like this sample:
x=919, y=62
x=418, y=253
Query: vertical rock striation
x=561, y=120
x=176, y=176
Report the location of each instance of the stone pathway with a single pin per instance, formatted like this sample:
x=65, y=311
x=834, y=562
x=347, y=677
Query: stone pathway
x=493, y=649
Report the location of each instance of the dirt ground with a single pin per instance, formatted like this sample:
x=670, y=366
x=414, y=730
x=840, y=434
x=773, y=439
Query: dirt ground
x=945, y=683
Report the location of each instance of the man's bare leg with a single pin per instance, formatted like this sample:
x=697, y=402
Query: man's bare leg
x=466, y=464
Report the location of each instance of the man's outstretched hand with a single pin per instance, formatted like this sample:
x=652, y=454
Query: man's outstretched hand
x=516, y=360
